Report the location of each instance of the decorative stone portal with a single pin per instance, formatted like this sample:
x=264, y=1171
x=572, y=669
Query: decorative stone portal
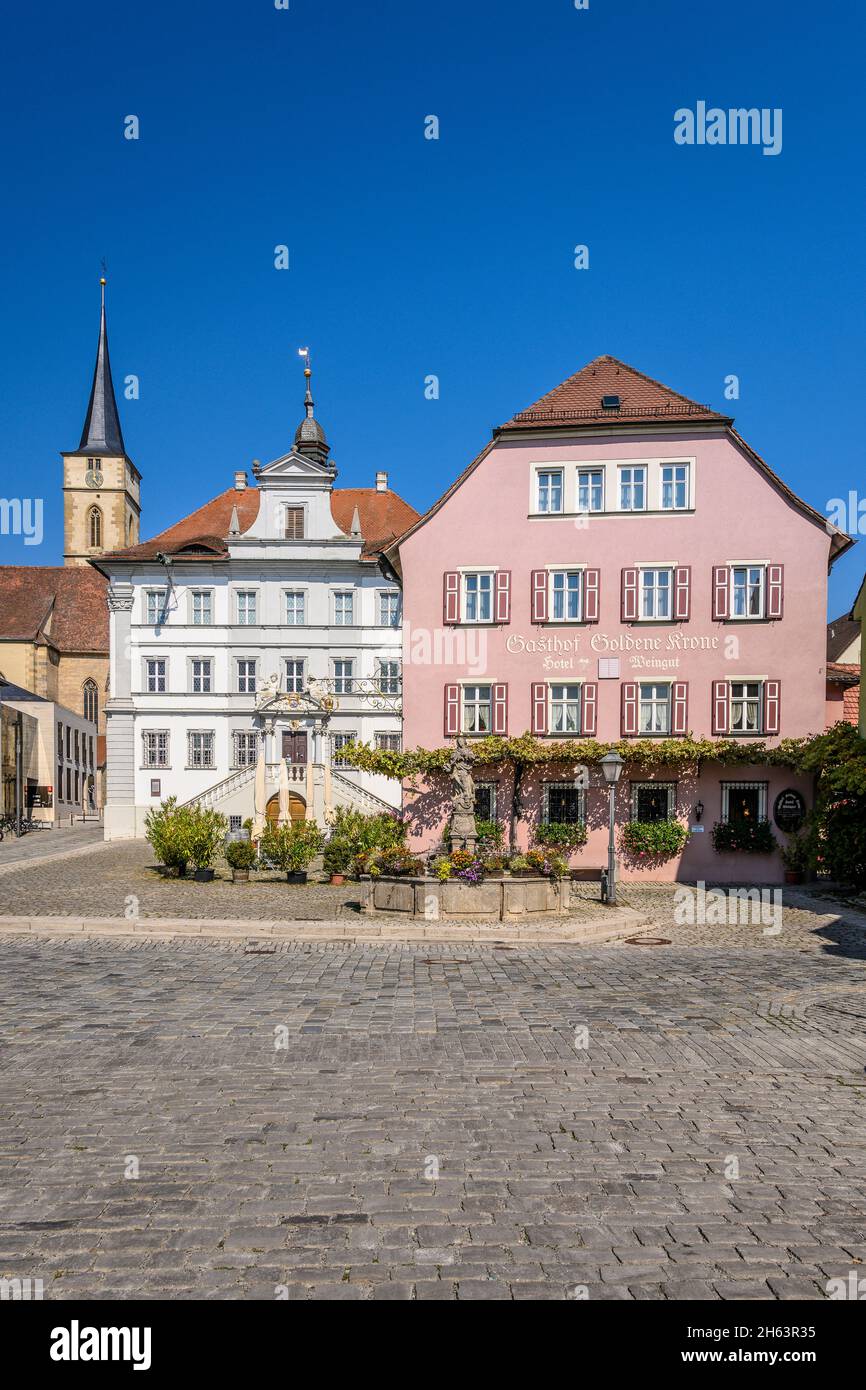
x=429, y=899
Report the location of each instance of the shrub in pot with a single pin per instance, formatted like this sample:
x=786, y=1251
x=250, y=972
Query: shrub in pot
x=292, y=848
x=337, y=858
x=168, y=829
x=743, y=837
x=657, y=840
x=206, y=829
x=795, y=857
x=240, y=857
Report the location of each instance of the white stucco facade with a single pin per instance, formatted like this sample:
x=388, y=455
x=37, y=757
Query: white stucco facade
x=283, y=629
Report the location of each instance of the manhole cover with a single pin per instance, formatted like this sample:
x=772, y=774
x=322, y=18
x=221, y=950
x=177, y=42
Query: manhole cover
x=647, y=941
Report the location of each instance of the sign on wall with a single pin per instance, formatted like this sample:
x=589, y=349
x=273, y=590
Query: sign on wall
x=789, y=811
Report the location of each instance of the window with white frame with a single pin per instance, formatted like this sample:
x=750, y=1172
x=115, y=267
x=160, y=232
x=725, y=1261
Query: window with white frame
x=343, y=677
x=747, y=591
x=744, y=801
x=746, y=707
x=338, y=743
x=389, y=608
x=651, y=801
x=675, y=486
x=201, y=675
x=200, y=748
x=477, y=708
x=295, y=607
x=549, y=490
x=392, y=742
x=294, y=674
x=478, y=597
x=155, y=606
x=564, y=803
x=245, y=748
x=655, y=708
x=344, y=607
x=388, y=677
x=155, y=675
x=564, y=709
x=247, y=604
x=155, y=747
x=202, y=607
x=632, y=488
x=566, y=588
x=655, y=593
x=247, y=666
x=590, y=489
x=485, y=801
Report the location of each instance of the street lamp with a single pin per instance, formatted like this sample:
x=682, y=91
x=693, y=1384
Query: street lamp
x=611, y=766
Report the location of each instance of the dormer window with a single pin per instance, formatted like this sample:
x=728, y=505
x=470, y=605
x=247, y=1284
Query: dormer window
x=294, y=524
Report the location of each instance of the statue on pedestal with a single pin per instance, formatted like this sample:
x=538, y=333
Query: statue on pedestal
x=464, y=833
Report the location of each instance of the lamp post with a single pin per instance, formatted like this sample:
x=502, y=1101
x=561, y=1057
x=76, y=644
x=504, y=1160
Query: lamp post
x=611, y=766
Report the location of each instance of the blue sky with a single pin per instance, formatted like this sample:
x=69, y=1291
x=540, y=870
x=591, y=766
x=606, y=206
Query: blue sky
x=411, y=257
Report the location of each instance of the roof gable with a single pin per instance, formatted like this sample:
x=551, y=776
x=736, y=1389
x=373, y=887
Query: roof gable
x=578, y=400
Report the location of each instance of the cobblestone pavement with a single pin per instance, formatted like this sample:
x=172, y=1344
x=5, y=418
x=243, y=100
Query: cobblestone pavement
x=431, y=1124
x=102, y=885
x=39, y=844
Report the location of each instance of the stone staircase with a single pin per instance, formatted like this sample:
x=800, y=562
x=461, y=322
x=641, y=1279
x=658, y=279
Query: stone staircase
x=348, y=793
x=220, y=790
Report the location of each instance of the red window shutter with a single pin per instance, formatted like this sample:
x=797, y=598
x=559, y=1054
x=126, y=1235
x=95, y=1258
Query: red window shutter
x=539, y=596
x=680, y=708
x=775, y=590
x=721, y=719
x=591, y=585
x=589, y=709
x=452, y=711
x=451, y=599
x=772, y=706
x=629, y=596
x=682, y=593
x=500, y=709
x=539, y=707
x=720, y=593
x=502, y=609
x=629, y=709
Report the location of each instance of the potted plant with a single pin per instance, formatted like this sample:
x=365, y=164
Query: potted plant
x=658, y=840
x=495, y=865
x=743, y=837
x=240, y=857
x=168, y=830
x=207, y=829
x=292, y=848
x=337, y=858
x=520, y=866
x=795, y=857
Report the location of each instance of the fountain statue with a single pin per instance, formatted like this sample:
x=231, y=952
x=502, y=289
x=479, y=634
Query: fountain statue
x=463, y=830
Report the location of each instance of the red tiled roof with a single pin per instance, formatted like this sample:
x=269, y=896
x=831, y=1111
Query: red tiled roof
x=843, y=672
x=63, y=605
x=577, y=401
x=383, y=515
x=847, y=675
x=841, y=632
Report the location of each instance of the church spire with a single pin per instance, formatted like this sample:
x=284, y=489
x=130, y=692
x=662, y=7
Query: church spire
x=102, y=433
x=310, y=437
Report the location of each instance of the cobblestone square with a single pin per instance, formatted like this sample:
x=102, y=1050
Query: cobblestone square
x=202, y=1118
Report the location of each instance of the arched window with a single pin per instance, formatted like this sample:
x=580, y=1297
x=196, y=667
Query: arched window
x=91, y=701
x=94, y=528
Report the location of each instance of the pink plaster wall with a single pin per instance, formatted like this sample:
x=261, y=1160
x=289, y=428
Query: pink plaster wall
x=738, y=515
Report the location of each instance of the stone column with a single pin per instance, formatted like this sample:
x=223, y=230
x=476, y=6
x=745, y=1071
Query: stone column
x=120, y=816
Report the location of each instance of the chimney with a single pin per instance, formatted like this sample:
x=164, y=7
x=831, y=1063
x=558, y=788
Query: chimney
x=381, y=482
x=240, y=481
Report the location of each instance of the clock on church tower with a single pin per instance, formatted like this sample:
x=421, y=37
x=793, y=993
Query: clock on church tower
x=101, y=484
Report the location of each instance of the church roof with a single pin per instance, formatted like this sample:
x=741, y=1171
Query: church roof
x=203, y=534
x=102, y=434
x=62, y=606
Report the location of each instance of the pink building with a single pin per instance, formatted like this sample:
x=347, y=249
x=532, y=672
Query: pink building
x=618, y=563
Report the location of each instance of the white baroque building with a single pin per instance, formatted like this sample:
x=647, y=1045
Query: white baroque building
x=266, y=615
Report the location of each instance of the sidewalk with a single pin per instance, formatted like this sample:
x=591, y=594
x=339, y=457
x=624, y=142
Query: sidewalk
x=48, y=845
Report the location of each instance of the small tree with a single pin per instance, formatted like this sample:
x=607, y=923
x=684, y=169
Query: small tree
x=206, y=832
x=168, y=829
x=292, y=847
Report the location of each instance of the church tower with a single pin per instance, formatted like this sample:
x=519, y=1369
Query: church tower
x=101, y=484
